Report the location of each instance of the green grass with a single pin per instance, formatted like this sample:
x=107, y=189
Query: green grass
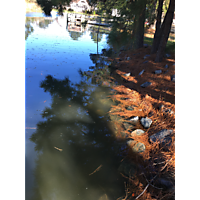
x=170, y=47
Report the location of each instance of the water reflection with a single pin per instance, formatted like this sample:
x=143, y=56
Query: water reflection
x=78, y=156
x=28, y=27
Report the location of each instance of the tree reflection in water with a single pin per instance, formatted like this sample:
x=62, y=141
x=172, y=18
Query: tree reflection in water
x=75, y=139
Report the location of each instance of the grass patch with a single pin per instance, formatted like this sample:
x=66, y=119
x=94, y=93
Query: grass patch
x=170, y=47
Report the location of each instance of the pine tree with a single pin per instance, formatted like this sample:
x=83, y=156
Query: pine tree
x=163, y=32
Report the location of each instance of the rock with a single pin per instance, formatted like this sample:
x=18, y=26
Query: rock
x=128, y=74
x=146, y=122
x=139, y=148
x=165, y=183
x=141, y=72
x=137, y=132
x=146, y=56
x=159, y=71
x=128, y=58
x=165, y=110
x=161, y=107
x=134, y=120
x=145, y=61
x=128, y=126
x=161, y=136
x=173, y=78
x=145, y=45
x=146, y=84
x=167, y=55
x=166, y=66
x=136, y=147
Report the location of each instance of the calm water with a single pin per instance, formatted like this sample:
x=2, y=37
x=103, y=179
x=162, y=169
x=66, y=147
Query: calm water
x=71, y=152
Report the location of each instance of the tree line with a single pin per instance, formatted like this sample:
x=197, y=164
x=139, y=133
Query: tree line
x=132, y=14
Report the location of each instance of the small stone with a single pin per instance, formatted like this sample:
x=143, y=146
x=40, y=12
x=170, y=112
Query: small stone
x=128, y=58
x=166, y=66
x=146, y=122
x=146, y=56
x=138, y=148
x=141, y=72
x=173, y=78
x=145, y=61
x=134, y=120
x=161, y=107
x=163, y=182
x=168, y=110
x=146, y=84
x=128, y=74
x=137, y=132
x=128, y=126
x=159, y=71
x=167, y=55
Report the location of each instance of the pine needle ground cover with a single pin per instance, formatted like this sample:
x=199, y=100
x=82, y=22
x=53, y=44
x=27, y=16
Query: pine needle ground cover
x=156, y=101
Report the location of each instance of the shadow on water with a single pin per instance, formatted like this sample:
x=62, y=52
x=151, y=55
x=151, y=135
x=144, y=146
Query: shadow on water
x=78, y=155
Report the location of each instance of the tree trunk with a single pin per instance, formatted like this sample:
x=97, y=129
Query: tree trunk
x=139, y=25
x=165, y=31
x=157, y=34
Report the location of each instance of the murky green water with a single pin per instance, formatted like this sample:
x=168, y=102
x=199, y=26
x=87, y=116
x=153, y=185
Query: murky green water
x=71, y=151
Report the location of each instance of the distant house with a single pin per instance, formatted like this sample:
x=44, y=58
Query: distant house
x=80, y=5
x=115, y=13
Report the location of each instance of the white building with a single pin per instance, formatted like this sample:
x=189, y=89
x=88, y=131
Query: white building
x=80, y=5
x=115, y=13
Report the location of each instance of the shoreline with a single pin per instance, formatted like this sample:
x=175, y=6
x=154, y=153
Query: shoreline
x=143, y=117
